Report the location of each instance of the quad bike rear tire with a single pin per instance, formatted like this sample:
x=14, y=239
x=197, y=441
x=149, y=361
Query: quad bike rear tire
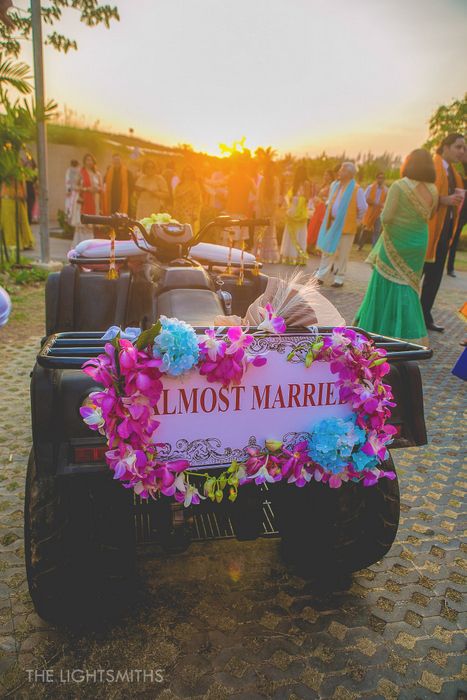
x=79, y=546
x=330, y=532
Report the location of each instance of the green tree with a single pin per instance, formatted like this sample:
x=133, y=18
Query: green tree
x=14, y=75
x=446, y=119
x=17, y=122
x=265, y=155
x=18, y=27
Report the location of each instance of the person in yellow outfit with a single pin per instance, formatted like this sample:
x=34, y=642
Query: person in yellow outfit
x=293, y=246
x=442, y=225
x=12, y=194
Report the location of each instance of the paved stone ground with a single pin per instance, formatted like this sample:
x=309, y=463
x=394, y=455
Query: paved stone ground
x=226, y=619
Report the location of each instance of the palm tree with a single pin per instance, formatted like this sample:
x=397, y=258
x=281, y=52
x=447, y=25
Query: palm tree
x=265, y=154
x=14, y=74
x=17, y=124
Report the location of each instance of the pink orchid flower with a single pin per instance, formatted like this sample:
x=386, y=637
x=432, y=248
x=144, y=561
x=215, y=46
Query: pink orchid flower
x=340, y=337
x=186, y=493
x=270, y=323
x=263, y=474
x=212, y=345
x=92, y=416
x=301, y=479
x=336, y=480
x=295, y=459
x=125, y=461
x=239, y=339
x=128, y=356
x=376, y=442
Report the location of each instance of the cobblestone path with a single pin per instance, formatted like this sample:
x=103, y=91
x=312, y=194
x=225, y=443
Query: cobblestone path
x=226, y=619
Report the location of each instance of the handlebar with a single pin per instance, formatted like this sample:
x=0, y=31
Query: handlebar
x=225, y=221
x=113, y=220
x=250, y=222
x=117, y=220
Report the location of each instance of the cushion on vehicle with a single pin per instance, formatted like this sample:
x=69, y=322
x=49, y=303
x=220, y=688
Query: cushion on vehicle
x=209, y=252
x=213, y=253
x=100, y=248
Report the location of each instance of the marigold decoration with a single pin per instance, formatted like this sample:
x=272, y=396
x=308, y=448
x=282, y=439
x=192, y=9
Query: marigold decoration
x=131, y=371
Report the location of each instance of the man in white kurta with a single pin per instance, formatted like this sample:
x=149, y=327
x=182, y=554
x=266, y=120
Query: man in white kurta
x=345, y=210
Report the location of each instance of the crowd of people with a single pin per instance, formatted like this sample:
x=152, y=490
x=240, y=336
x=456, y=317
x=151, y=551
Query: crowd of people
x=413, y=226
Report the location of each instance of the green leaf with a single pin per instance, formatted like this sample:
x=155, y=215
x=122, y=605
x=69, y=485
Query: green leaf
x=309, y=358
x=290, y=355
x=376, y=363
x=116, y=341
x=147, y=337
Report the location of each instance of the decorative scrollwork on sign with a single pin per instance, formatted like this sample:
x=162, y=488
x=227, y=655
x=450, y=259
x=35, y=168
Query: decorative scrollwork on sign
x=207, y=452
x=201, y=452
x=291, y=439
x=282, y=344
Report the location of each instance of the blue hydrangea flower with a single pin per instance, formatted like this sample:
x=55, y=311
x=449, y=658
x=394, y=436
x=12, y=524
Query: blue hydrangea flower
x=362, y=461
x=335, y=441
x=177, y=346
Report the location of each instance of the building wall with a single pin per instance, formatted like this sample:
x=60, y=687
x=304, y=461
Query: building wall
x=59, y=157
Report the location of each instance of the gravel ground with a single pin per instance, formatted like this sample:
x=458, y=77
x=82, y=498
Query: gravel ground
x=226, y=619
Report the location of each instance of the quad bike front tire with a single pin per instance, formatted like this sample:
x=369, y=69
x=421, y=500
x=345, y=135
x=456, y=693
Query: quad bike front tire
x=79, y=546
x=329, y=532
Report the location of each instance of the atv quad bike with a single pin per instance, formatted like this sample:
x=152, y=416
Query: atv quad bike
x=82, y=529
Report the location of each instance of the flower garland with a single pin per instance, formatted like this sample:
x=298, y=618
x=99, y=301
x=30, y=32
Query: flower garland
x=336, y=450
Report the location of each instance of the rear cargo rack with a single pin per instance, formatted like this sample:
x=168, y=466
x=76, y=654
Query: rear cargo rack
x=209, y=521
x=71, y=349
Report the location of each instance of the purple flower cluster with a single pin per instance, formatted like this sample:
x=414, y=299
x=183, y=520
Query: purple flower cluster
x=337, y=451
x=360, y=368
x=225, y=360
x=125, y=411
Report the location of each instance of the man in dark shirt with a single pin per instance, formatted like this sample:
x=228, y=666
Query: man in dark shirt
x=461, y=223
x=443, y=223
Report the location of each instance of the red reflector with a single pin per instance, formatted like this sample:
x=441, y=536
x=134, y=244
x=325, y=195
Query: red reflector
x=84, y=455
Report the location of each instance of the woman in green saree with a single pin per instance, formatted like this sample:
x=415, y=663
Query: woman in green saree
x=391, y=305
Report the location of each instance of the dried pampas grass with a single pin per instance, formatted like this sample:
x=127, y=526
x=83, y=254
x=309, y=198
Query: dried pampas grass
x=296, y=298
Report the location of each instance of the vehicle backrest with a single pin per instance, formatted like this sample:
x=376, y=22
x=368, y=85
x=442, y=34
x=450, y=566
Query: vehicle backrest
x=77, y=301
x=243, y=295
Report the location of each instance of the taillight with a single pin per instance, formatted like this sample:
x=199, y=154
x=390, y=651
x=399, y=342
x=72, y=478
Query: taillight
x=86, y=455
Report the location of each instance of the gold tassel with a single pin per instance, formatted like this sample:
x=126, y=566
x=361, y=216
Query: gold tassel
x=229, y=259
x=241, y=274
x=113, y=272
x=259, y=250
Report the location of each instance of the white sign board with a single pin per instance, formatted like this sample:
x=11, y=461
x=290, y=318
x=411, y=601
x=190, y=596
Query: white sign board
x=210, y=425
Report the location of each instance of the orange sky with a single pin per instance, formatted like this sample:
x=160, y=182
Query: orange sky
x=300, y=75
